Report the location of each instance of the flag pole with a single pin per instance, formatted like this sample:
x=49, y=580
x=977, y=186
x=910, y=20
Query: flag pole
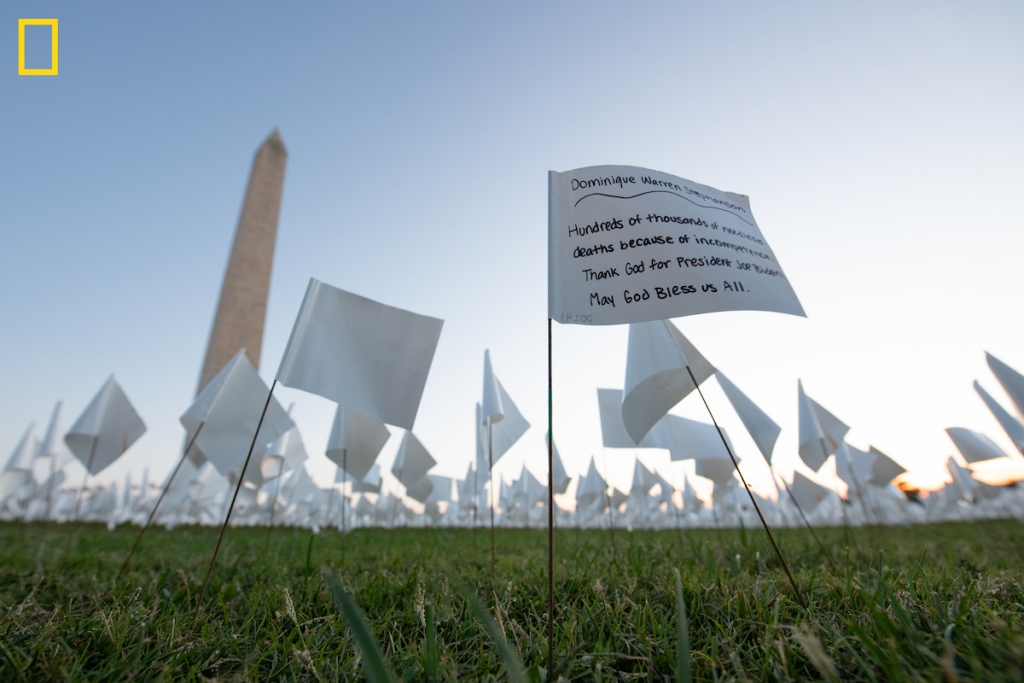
x=227, y=518
x=273, y=502
x=736, y=465
x=78, y=500
x=798, y=508
x=92, y=454
x=608, y=499
x=344, y=503
x=49, y=485
x=551, y=520
x=490, y=495
x=159, y=500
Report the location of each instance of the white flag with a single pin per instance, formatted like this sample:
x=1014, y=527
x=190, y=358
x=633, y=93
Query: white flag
x=421, y=489
x=106, y=429
x=814, y=444
x=1011, y=380
x=884, y=469
x=284, y=453
x=356, y=441
x=360, y=354
x=559, y=475
x=591, y=487
x=659, y=361
x=491, y=407
x=808, y=494
x=513, y=425
x=763, y=430
x=628, y=245
x=974, y=446
x=412, y=462
x=229, y=408
x=1013, y=428
x=25, y=452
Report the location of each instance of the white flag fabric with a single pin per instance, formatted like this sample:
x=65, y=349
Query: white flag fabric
x=591, y=487
x=442, y=489
x=491, y=408
x=628, y=245
x=656, y=374
x=962, y=479
x=762, y=429
x=51, y=444
x=229, y=409
x=643, y=479
x=481, y=442
x=814, y=444
x=360, y=354
x=613, y=431
x=883, y=469
x=513, y=425
x=695, y=440
x=973, y=446
x=369, y=484
x=808, y=494
x=834, y=428
x=421, y=489
x=355, y=442
x=1011, y=381
x=412, y=462
x=1013, y=428
x=559, y=475
x=106, y=428
x=25, y=452
x=691, y=502
x=716, y=469
x=854, y=466
x=284, y=453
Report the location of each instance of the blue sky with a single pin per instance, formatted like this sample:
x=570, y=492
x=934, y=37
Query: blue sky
x=880, y=146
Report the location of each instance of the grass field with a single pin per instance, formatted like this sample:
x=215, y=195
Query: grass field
x=940, y=602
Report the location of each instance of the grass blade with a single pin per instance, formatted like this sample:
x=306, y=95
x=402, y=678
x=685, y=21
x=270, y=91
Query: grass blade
x=684, y=666
x=377, y=670
x=430, y=647
x=509, y=657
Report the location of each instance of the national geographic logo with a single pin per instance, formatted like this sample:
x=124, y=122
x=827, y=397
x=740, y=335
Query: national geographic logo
x=52, y=24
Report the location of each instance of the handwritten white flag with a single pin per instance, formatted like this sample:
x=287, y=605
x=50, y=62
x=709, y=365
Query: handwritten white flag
x=628, y=245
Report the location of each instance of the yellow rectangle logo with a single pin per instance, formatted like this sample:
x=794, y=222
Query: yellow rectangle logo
x=22, y=71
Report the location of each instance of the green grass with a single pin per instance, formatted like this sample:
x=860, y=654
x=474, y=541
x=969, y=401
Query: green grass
x=938, y=603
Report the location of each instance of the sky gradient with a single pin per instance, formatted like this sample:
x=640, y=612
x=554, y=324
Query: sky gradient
x=881, y=148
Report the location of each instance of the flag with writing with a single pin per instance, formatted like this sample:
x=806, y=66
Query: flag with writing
x=629, y=244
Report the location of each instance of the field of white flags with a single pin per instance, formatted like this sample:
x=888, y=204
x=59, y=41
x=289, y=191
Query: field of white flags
x=43, y=478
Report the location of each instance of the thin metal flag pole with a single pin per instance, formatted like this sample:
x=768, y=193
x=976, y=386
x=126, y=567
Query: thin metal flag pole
x=551, y=520
x=798, y=508
x=490, y=494
x=49, y=485
x=273, y=501
x=736, y=465
x=344, y=501
x=159, y=500
x=608, y=500
x=78, y=500
x=227, y=518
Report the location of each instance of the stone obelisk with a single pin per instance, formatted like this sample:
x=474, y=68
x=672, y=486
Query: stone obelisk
x=242, y=309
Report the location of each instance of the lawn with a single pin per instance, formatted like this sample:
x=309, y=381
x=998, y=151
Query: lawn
x=940, y=602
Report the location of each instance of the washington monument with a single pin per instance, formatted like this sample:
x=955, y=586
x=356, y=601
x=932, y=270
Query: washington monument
x=242, y=309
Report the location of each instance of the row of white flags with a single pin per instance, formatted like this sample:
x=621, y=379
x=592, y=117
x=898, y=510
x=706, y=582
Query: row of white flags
x=626, y=245
x=218, y=436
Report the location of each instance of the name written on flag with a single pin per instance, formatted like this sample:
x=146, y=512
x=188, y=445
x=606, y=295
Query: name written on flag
x=628, y=245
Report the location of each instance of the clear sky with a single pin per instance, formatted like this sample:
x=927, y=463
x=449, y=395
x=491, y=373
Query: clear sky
x=881, y=145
